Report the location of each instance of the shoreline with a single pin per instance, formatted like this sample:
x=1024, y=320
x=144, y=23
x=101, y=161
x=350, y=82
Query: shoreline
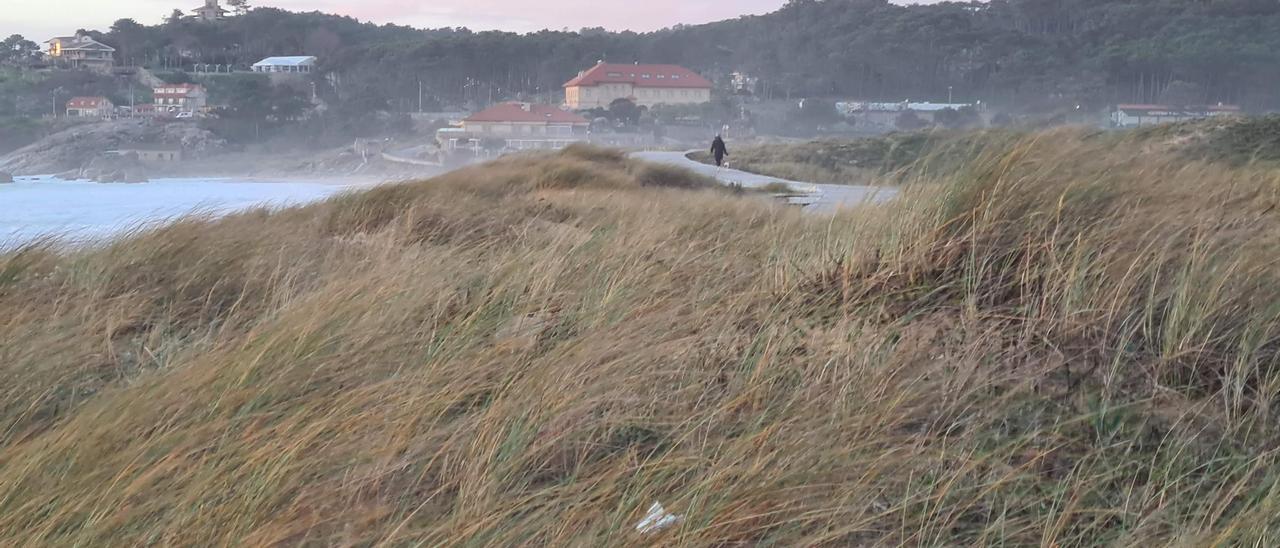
x=326, y=179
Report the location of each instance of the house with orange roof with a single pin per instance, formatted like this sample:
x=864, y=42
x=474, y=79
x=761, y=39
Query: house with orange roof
x=90, y=107
x=646, y=85
x=178, y=99
x=518, y=126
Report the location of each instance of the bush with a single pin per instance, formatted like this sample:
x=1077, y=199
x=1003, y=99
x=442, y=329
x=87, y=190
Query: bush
x=662, y=175
x=592, y=153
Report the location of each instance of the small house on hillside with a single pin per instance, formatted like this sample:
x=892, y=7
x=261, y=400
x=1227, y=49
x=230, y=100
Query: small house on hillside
x=209, y=12
x=178, y=99
x=518, y=126
x=646, y=85
x=90, y=107
x=300, y=64
x=80, y=52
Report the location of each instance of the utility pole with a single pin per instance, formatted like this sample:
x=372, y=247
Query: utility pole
x=419, y=96
x=949, y=101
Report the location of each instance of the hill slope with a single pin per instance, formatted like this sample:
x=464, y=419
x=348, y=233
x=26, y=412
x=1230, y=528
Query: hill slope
x=1062, y=342
x=1032, y=54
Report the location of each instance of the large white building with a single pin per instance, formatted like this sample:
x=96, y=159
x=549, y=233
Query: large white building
x=298, y=64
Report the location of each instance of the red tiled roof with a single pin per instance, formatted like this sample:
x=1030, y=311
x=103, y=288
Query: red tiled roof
x=87, y=102
x=525, y=112
x=653, y=76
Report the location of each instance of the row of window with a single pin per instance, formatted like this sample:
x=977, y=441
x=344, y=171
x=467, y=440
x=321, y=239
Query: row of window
x=526, y=129
x=670, y=94
x=645, y=93
x=644, y=76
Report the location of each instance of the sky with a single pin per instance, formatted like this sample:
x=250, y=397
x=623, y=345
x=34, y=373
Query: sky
x=35, y=20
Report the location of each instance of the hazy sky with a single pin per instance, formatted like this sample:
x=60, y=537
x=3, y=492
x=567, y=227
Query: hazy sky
x=43, y=19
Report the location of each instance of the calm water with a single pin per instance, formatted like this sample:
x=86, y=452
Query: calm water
x=78, y=211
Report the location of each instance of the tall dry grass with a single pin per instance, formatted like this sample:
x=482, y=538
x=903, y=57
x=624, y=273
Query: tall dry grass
x=1060, y=343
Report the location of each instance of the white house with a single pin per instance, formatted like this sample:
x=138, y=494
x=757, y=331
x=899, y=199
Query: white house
x=302, y=64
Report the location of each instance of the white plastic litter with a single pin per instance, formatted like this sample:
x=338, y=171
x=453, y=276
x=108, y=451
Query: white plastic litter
x=658, y=519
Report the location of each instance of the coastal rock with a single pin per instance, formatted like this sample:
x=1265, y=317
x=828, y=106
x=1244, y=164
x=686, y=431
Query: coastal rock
x=5, y=178
x=73, y=147
x=115, y=169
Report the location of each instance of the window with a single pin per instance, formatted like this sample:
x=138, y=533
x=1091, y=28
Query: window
x=661, y=76
x=615, y=75
x=675, y=76
x=645, y=76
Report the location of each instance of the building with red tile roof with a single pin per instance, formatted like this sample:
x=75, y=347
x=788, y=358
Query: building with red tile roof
x=180, y=98
x=646, y=85
x=90, y=107
x=519, y=126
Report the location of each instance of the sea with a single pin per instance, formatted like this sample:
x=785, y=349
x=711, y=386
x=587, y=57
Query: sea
x=79, y=212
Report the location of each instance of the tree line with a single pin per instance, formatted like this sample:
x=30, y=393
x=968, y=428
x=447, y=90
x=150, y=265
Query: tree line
x=1034, y=54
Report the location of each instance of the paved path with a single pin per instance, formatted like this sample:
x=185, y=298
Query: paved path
x=820, y=197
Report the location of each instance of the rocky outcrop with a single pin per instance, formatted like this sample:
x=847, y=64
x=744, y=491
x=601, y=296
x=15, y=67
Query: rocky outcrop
x=73, y=148
x=5, y=177
x=115, y=169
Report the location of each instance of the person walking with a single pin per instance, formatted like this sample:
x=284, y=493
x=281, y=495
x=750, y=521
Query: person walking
x=719, y=151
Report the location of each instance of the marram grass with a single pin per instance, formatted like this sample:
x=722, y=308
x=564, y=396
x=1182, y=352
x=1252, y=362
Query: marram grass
x=1060, y=342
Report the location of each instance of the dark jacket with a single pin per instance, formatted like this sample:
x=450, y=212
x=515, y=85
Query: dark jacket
x=718, y=148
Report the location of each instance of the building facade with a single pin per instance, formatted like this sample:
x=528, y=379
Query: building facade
x=646, y=85
x=209, y=12
x=80, y=52
x=301, y=64
x=153, y=154
x=177, y=99
x=90, y=107
x=517, y=126
x=1129, y=116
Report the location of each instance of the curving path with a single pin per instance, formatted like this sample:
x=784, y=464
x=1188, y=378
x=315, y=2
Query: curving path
x=819, y=198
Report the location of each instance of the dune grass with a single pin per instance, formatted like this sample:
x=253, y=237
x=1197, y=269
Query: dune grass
x=863, y=161
x=1060, y=343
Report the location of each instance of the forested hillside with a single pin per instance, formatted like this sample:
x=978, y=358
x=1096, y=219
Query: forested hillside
x=1010, y=52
